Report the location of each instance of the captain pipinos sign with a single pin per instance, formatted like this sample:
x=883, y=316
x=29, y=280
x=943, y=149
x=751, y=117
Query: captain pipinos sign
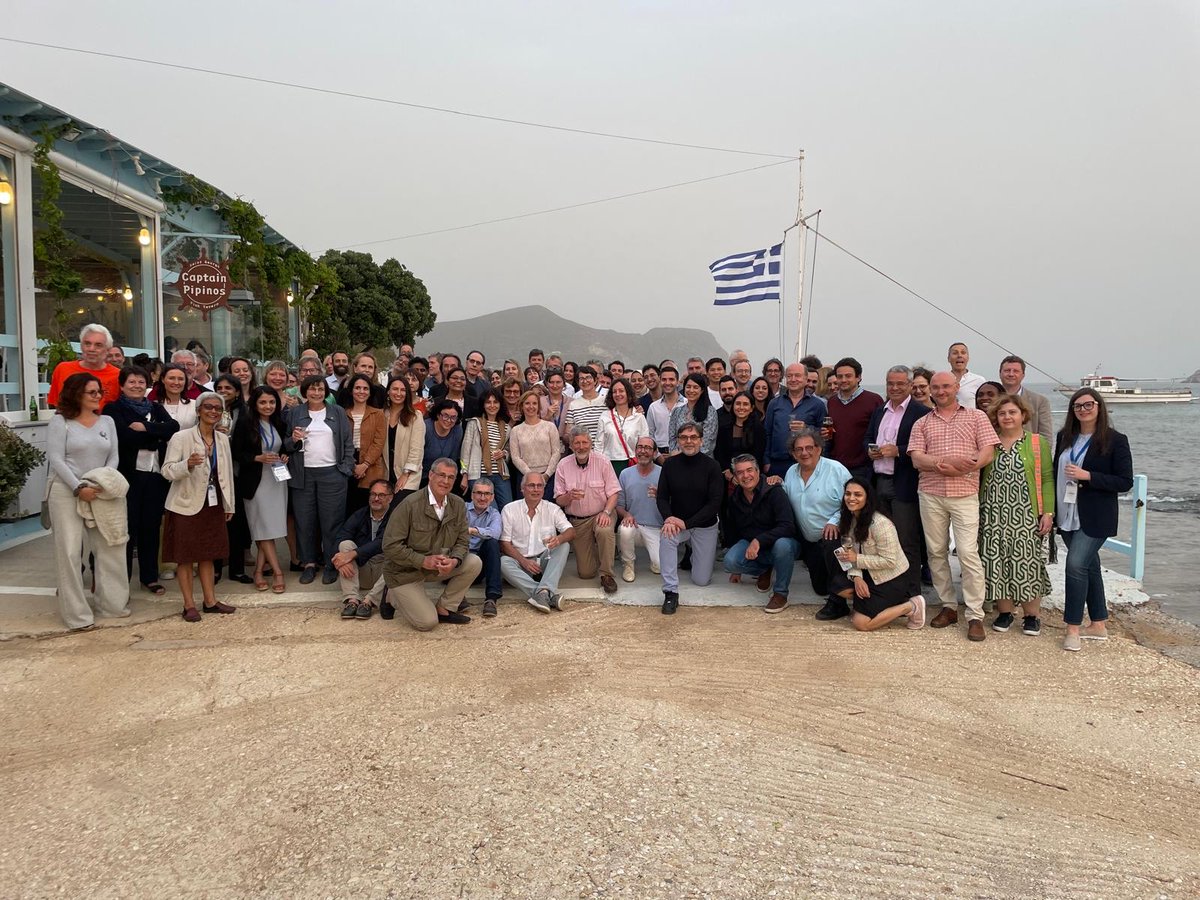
x=204, y=284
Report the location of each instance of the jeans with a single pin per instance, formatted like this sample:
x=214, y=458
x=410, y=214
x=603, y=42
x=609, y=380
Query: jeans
x=781, y=557
x=488, y=552
x=1084, y=583
x=548, y=578
x=320, y=510
x=704, y=553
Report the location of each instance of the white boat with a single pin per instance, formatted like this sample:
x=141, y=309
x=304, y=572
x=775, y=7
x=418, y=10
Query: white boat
x=1109, y=387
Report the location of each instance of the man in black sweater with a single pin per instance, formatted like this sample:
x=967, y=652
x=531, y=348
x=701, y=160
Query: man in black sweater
x=760, y=532
x=690, y=490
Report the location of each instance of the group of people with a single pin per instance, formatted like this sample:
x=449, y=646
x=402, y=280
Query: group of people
x=438, y=469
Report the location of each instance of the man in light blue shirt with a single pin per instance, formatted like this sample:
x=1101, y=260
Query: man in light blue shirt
x=814, y=486
x=483, y=530
x=637, y=505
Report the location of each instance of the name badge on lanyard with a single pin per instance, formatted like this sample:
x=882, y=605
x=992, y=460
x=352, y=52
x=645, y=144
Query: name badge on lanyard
x=1071, y=490
x=212, y=474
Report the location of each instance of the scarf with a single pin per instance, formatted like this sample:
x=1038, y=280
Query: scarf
x=140, y=408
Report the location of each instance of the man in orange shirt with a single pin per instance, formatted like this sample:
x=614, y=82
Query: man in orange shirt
x=94, y=343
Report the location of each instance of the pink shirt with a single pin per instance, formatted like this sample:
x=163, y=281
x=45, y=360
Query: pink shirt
x=597, y=479
x=889, y=428
x=965, y=432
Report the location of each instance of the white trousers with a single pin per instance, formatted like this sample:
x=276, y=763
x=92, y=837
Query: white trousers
x=646, y=535
x=73, y=541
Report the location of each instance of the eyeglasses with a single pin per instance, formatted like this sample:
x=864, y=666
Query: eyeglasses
x=375, y=495
x=1085, y=406
x=93, y=393
x=448, y=417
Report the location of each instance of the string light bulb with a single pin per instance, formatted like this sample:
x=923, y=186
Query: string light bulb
x=144, y=237
x=6, y=193
x=127, y=293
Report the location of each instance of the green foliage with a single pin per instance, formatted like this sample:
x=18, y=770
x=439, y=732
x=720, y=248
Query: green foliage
x=17, y=460
x=53, y=249
x=369, y=306
x=268, y=319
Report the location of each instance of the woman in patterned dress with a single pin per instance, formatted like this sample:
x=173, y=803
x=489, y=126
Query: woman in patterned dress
x=1016, y=509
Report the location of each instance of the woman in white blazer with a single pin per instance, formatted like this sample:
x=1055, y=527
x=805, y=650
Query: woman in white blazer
x=199, y=503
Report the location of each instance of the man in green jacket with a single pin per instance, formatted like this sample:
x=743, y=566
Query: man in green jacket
x=426, y=540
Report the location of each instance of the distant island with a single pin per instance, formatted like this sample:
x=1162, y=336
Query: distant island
x=1194, y=378
x=510, y=333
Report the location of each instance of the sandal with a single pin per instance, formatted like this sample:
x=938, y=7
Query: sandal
x=278, y=587
x=155, y=588
x=260, y=583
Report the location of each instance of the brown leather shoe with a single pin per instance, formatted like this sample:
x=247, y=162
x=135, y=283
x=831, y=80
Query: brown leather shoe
x=777, y=603
x=975, y=630
x=764, y=582
x=948, y=616
x=608, y=583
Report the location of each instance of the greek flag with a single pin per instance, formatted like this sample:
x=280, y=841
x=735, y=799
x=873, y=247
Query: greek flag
x=745, y=277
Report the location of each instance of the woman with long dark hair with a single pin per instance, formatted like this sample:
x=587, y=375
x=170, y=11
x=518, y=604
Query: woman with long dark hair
x=171, y=391
x=143, y=429
x=257, y=447
x=867, y=567
x=369, y=432
x=1092, y=466
x=696, y=408
x=485, y=448
x=405, y=442
x=230, y=390
x=80, y=441
x=738, y=433
x=760, y=393
x=243, y=372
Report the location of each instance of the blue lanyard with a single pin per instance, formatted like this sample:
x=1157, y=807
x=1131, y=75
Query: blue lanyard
x=1077, y=455
x=268, y=438
x=212, y=462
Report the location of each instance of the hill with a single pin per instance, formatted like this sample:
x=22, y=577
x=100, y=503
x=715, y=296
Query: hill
x=1194, y=379
x=510, y=333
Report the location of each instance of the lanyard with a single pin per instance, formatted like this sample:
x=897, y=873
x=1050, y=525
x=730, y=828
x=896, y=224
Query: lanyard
x=1077, y=455
x=267, y=436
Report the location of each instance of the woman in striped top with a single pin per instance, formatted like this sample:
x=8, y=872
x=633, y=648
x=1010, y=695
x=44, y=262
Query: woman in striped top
x=485, y=448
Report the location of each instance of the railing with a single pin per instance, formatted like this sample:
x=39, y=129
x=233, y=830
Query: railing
x=1135, y=547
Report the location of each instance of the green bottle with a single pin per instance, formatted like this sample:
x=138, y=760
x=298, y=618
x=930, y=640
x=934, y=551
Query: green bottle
x=33, y=409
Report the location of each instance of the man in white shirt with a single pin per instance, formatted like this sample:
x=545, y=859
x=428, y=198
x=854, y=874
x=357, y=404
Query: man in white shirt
x=968, y=382
x=658, y=416
x=534, y=534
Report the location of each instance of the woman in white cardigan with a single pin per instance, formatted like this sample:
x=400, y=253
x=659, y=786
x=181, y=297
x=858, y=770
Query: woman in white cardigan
x=868, y=565
x=404, y=448
x=201, y=500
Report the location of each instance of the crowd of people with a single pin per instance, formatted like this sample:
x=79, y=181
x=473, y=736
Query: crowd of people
x=439, y=469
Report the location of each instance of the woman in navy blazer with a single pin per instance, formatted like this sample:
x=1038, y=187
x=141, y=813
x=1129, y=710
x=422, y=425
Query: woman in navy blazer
x=1092, y=465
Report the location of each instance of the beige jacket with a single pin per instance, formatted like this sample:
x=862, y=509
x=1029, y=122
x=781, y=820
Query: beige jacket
x=880, y=554
x=189, y=487
x=408, y=454
x=108, y=512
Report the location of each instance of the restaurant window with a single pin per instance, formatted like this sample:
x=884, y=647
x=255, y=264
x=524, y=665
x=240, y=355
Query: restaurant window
x=106, y=252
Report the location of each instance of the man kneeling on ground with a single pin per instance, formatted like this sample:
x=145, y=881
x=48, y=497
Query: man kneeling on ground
x=426, y=540
x=760, y=533
x=359, y=560
x=534, y=534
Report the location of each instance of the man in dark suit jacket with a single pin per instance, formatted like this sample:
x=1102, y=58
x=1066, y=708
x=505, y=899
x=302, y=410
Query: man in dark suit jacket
x=894, y=476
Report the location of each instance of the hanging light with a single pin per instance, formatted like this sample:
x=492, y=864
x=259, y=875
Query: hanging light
x=127, y=293
x=291, y=298
x=6, y=193
x=144, y=237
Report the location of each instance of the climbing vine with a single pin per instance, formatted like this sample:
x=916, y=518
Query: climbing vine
x=53, y=249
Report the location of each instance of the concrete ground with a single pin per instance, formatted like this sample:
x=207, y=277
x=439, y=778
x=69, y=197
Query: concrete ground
x=601, y=751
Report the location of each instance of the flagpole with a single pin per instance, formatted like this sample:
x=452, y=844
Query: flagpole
x=800, y=256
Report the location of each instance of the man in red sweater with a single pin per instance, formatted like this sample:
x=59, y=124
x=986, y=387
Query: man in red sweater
x=851, y=408
x=94, y=343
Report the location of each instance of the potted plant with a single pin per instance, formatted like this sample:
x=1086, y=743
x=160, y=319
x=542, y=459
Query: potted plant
x=17, y=460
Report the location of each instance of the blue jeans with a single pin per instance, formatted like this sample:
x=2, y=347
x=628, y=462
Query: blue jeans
x=1084, y=583
x=488, y=552
x=781, y=557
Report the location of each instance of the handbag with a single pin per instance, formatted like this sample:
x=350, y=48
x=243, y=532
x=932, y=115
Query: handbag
x=624, y=446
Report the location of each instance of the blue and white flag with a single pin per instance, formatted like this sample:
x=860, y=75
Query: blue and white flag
x=745, y=277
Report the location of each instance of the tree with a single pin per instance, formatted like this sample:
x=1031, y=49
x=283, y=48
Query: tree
x=371, y=305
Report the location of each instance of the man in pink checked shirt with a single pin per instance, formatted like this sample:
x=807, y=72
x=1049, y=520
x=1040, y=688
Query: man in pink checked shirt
x=586, y=487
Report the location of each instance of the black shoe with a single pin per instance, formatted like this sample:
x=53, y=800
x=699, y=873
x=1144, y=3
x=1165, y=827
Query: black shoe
x=453, y=618
x=835, y=608
x=309, y=573
x=242, y=579
x=364, y=609
x=1003, y=622
x=349, y=608
x=329, y=576
x=386, y=610
x=670, y=603
x=296, y=567
x=1031, y=626
x=464, y=605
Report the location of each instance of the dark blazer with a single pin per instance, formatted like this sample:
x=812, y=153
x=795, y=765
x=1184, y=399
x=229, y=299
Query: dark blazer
x=357, y=528
x=343, y=440
x=1112, y=474
x=905, y=474
x=159, y=428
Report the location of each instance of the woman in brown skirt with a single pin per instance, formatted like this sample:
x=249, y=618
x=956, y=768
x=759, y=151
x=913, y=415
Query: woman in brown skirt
x=201, y=500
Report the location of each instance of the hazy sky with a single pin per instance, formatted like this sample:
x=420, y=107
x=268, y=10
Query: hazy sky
x=1030, y=166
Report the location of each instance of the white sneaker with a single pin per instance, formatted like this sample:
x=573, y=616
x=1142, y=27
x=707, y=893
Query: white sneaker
x=655, y=569
x=166, y=575
x=627, y=573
